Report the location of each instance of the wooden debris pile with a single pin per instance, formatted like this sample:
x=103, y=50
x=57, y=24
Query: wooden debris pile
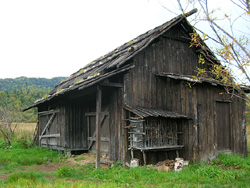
x=175, y=165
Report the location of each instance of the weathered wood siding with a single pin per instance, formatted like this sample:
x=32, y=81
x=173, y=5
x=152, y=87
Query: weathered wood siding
x=76, y=126
x=115, y=123
x=57, y=126
x=143, y=88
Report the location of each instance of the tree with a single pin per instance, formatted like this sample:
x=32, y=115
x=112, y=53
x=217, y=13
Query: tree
x=9, y=116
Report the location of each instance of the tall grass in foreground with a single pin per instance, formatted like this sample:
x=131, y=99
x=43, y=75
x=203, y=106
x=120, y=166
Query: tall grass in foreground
x=227, y=170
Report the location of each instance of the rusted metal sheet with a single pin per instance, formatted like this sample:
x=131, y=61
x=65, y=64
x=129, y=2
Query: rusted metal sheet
x=146, y=112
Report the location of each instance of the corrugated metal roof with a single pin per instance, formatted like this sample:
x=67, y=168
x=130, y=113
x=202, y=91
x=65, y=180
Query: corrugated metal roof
x=147, y=112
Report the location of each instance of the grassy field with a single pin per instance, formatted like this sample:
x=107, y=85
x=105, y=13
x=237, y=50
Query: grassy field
x=26, y=166
x=26, y=127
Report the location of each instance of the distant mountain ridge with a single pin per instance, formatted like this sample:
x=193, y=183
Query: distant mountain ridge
x=21, y=92
x=10, y=84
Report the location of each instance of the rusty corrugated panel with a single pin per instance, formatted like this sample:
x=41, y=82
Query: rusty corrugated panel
x=146, y=112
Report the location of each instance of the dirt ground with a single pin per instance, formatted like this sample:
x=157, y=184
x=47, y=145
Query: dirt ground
x=50, y=167
x=81, y=160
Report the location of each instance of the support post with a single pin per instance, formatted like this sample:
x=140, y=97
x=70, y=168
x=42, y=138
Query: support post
x=98, y=122
x=125, y=137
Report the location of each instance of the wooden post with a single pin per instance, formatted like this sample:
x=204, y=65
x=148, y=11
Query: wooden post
x=120, y=106
x=125, y=136
x=98, y=122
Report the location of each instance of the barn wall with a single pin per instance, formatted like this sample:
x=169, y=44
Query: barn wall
x=76, y=130
x=115, y=125
x=76, y=127
x=163, y=55
x=238, y=126
x=57, y=126
x=143, y=88
x=105, y=130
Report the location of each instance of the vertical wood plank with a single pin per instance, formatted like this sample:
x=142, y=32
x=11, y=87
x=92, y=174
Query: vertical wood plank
x=125, y=136
x=119, y=113
x=98, y=122
x=195, y=126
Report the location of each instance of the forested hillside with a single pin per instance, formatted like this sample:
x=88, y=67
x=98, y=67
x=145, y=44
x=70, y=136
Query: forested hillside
x=21, y=92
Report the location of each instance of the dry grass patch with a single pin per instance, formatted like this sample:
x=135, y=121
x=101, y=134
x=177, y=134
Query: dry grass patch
x=26, y=127
x=24, y=131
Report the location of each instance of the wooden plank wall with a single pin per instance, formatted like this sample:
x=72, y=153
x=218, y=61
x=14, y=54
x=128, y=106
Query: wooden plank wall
x=143, y=88
x=58, y=124
x=238, y=126
x=164, y=55
x=115, y=119
x=77, y=125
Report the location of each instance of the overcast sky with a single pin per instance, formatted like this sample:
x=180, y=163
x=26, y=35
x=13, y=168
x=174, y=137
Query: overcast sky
x=49, y=38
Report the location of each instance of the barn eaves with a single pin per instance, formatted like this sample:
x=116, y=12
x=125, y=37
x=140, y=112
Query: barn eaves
x=200, y=80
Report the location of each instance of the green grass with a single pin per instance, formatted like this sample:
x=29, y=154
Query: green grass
x=79, y=158
x=35, y=177
x=19, y=155
x=227, y=170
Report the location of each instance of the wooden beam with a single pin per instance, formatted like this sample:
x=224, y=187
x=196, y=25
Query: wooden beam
x=112, y=84
x=119, y=101
x=50, y=136
x=102, y=139
x=94, y=113
x=125, y=137
x=185, y=40
x=43, y=113
x=98, y=123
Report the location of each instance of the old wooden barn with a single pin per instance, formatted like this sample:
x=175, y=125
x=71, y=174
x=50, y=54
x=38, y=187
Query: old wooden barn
x=140, y=96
